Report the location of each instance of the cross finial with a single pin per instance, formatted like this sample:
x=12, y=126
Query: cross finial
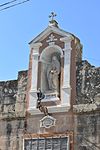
x=52, y=16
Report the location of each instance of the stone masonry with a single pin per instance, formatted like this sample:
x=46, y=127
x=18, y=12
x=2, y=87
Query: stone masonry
x=12, y=112
x=86, y=110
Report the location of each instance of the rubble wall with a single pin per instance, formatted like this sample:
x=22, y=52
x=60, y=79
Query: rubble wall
x=12, y=112
x=87, y=108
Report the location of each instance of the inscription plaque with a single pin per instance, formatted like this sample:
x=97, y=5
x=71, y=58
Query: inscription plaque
x=49, y=143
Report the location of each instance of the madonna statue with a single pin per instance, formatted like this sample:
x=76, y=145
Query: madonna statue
x=53, y=72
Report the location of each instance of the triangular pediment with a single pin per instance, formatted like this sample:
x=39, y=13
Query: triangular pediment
x=47, y=31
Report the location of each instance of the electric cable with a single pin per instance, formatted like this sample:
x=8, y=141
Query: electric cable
x=1, y=5
x=14, y=5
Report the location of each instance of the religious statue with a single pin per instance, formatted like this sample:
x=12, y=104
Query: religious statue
x=53, y=72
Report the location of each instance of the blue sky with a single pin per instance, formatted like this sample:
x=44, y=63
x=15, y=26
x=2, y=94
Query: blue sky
x=20, y=24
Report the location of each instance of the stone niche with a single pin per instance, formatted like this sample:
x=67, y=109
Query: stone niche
x=58, y=48
x=56, y=88
x=50, y=72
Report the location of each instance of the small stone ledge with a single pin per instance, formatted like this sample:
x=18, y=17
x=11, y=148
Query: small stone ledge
x=12, y=116
x=53, y=109
x=85, y=107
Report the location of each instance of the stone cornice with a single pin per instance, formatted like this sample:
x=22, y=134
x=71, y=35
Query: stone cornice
x=85, y=108
x=53, y=109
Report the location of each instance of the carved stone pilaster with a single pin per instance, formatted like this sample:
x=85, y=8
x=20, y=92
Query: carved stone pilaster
x=33, y=91
x=66, y=89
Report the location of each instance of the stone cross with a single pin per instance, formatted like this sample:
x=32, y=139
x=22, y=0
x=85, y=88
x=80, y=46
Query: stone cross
x=52, y=16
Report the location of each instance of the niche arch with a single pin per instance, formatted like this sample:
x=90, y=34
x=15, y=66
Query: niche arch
x=45, y=61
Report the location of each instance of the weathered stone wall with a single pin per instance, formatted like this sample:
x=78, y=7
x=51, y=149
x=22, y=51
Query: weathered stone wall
x=86, y=124
x=11, y=134
x=87, y=131
x=87, y=83
x=64, y=123
x=87, y=108
x=8, y=91
x=12, y=112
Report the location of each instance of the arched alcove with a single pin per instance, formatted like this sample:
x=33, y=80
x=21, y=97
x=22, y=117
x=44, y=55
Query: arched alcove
x=46, y=59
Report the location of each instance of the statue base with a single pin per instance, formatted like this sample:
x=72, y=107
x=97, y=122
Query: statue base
x=51, y=96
